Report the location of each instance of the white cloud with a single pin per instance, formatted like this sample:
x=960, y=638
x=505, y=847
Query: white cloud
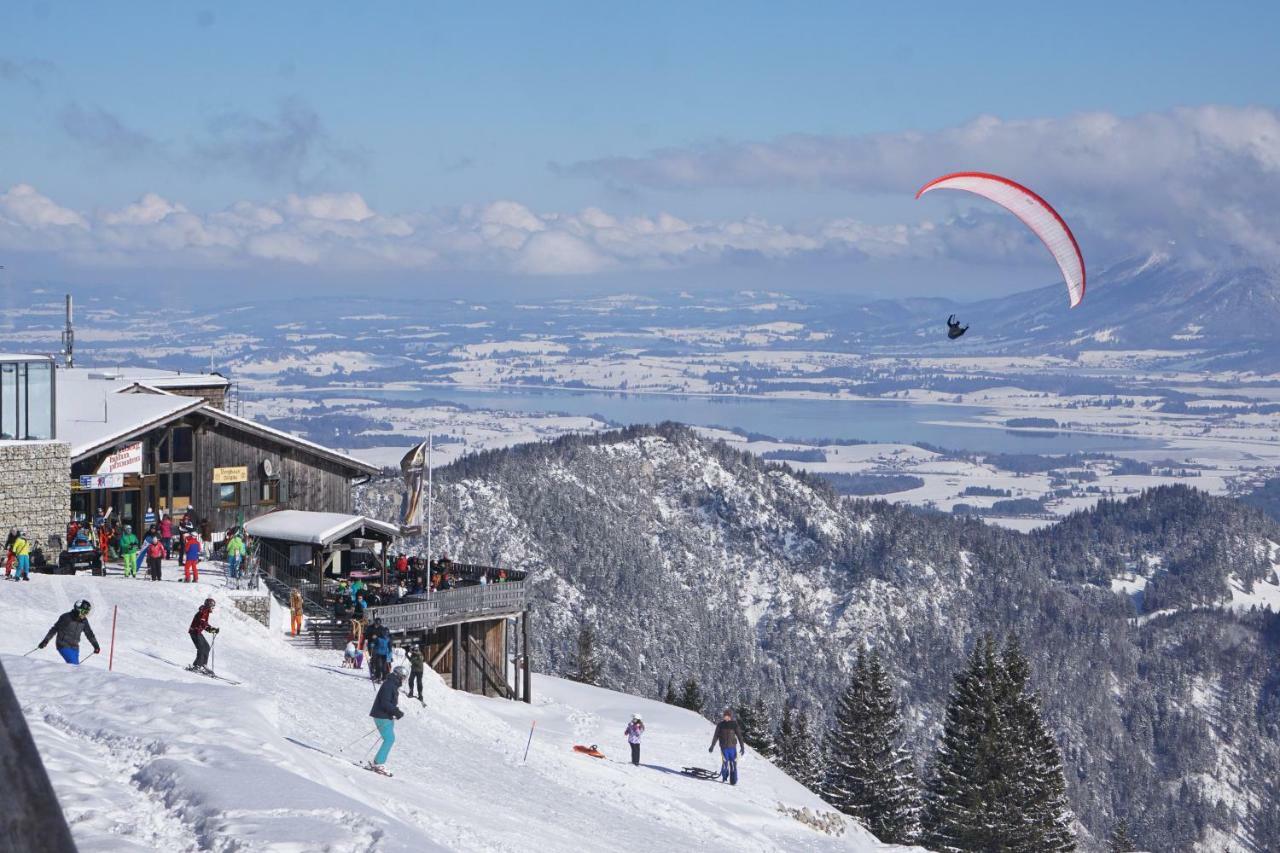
x=1204, y=177
x=341, y=230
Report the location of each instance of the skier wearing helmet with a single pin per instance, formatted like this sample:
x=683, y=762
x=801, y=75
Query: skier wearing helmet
x=68, y=628
x=634, y=730
x=199, y=625
x=385, y=712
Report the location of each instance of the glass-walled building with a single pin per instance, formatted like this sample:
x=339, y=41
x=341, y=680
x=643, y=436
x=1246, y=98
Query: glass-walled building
x=27, y=397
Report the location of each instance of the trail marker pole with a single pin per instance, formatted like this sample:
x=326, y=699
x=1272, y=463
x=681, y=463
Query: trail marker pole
x=529, y=742
x=111, y=657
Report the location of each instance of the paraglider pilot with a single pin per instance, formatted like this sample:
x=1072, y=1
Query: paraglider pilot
x=954, y=329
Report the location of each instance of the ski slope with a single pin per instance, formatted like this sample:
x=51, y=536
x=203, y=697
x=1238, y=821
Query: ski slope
x=151, y=757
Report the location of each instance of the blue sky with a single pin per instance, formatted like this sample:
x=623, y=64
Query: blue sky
x=433, y=112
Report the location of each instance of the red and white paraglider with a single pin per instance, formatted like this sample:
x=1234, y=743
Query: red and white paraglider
x=1036, y=214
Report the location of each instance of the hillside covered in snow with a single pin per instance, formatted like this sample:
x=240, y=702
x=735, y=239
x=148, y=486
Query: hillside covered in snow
x=691, y=559
x=152, y=758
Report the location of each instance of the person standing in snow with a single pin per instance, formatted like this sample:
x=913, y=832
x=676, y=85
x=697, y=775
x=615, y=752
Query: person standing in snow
x=379, y=654
x=9, y=556
x=22, y=553
x=155, y=553
x=68, y=628
x=385, y=712
x=166, y=533
x=235, y=556
x=200, y=625
x=191, y=568
x=349, y=655
x=129, y=552
x=295, y=612
x=416, y=665
x=634, y=730
x=730, y=740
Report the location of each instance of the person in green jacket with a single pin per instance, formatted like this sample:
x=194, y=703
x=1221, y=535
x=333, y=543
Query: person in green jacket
x=129, y=551
x=235, y=556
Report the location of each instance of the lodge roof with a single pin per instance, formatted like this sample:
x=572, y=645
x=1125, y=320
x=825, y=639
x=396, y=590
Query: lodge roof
x=316, y=528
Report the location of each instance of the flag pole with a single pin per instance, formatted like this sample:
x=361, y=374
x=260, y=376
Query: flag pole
x=430, y=514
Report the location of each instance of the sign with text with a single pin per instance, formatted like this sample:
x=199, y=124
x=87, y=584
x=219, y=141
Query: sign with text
x=125, y=460
x=231, y=475
x=101, y=481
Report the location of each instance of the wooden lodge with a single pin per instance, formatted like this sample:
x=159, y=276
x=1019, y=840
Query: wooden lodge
x=474, y=634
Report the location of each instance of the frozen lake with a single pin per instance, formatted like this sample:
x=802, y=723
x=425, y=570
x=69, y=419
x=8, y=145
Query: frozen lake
x=866, y=420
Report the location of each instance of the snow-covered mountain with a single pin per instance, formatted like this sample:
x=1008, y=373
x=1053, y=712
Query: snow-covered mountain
x=1226, y=314
x=692, y=559
x=152, y=758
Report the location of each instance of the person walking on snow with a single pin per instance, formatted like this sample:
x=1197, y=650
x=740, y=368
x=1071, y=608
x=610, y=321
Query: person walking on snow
x=199, y=625
x=22, y=553
x=9, y=556
x=129, y=552
x=385, y=712
x=68, y=628
x=635, y=729
x=730, y=740
x=416, y=664
x=191, y=568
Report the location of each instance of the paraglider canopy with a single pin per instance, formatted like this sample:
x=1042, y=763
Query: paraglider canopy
x=1035, y=213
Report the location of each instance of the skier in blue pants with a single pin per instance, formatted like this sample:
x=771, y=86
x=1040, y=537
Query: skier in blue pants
x=730, y=740
x=67, y=630
x=385, y=712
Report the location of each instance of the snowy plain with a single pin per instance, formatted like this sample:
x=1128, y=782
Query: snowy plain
x=151, y=757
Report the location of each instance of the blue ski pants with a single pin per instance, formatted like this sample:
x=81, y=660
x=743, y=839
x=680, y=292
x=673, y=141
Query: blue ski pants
x=386, y=728
x=729, y=766
x=71, y=656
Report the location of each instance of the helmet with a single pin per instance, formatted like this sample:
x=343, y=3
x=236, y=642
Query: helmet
x=128, y=528
x=209, y=602
x=637, y=718
x=82, y=606
x=400, y=672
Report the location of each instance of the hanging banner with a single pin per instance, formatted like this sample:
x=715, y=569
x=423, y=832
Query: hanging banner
x=101, y=481
x=413, y=468
x=125, y=460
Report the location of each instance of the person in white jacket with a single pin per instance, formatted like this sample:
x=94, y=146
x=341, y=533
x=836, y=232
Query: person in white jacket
x=634, y=730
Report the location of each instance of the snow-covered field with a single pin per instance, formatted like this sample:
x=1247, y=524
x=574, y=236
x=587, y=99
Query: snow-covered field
x=151, y=757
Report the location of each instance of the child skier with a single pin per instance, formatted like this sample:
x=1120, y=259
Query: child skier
x=199, y=625
x=634, y=730
x=730, y=740
x=191, y=568
x=68, y=628
x=385, y=712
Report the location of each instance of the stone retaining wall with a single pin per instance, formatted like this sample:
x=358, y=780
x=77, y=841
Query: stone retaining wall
x=35, y=491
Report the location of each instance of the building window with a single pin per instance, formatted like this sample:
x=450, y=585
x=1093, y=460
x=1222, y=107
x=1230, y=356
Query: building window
x=228, y=495
x=182, y=447
x=269, y=492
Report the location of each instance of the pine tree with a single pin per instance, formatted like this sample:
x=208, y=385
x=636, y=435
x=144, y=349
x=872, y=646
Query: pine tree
x=797, y=752
x=691, y=696
x=757, y=727
x=588, y=663
x=669, y=697
x=1121, y=842
x=997, y=781
x=1041, y=811
x=869, y=773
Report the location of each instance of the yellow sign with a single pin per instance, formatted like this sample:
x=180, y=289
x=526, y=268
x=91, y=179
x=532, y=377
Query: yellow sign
x=231, y=475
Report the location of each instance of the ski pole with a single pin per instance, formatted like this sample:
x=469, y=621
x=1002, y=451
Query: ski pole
x=36, y=649
x=358, y=740
x=529, y=742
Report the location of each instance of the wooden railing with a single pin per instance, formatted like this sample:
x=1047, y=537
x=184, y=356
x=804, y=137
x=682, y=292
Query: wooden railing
x=464, y=604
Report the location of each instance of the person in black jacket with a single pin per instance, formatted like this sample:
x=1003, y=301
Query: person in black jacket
x=68, y=628
x=385, y=712
x=730, y=740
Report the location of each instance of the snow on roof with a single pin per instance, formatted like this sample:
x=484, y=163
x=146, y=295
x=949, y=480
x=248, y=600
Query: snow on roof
x=92, y=414
x=21, y=356
x=315, y=528
x=145, y=375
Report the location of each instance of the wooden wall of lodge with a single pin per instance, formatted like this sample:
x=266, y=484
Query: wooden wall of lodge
x=308, y=482
x=491, y=633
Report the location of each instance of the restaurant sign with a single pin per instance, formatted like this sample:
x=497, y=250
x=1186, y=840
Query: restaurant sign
x=101, y=481
x=239, y=474
x=125, y=460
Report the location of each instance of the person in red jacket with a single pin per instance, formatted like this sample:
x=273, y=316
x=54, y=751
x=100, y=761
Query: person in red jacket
x=191, y=568
x=200, y=625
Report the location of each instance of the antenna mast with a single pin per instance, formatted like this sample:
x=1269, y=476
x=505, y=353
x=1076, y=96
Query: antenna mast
x=68, y=338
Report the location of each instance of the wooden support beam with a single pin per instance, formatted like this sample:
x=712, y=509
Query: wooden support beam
x=435, y=661
x=459, y=657
x=524, y=641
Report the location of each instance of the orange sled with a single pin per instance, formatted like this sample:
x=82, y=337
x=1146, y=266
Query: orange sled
x=588, y=750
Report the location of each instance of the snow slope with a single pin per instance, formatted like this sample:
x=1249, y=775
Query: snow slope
x=150, y=757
